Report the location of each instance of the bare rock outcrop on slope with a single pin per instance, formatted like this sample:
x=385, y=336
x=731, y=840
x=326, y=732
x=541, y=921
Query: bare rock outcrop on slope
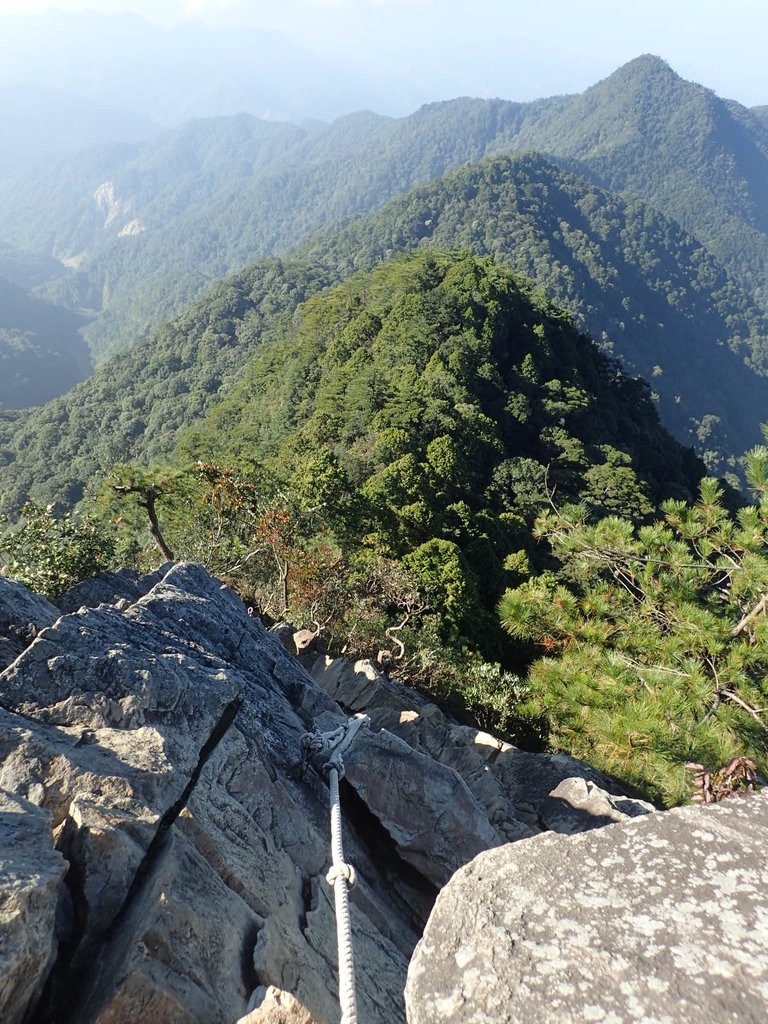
x=151, y=746
x=523, y=793
x=22, y=616
x=663, y=919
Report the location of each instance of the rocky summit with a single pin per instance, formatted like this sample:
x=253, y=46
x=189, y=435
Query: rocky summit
x=164, y=845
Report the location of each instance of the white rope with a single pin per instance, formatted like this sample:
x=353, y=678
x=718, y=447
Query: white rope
x=341, y=876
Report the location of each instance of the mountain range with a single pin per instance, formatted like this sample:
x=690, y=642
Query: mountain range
x=641, y=205
x=207, y=198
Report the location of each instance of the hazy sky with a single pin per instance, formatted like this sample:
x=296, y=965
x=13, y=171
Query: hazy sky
x=518, y=50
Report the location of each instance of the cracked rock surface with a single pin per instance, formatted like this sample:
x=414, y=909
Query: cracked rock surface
x=162, y=859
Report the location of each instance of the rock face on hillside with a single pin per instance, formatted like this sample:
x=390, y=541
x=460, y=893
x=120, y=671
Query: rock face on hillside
x=662, y=919
x=162, y=854
x=22, y=615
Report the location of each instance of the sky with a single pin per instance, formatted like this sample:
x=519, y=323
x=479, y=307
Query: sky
x=519, y=51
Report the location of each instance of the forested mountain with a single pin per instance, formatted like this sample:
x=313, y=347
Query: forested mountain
x=59, y=207
x=432, y=346
x=41, y=350
x=382, y=460
x=144, y=229
x=137, y=404
x=421, y=413
x=141, y=263
x=699, y=159
x=651, y=294
x=25, y=269
x=430, y=408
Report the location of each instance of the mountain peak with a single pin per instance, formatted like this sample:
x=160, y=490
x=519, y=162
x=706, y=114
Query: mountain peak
x=649, y=62
x=647, y=69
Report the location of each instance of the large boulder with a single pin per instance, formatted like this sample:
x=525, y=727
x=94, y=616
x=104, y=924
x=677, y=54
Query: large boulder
x=661, y=919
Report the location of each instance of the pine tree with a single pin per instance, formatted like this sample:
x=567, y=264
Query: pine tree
x=654, y=639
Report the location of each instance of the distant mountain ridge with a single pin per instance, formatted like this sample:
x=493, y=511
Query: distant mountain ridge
x=137, y=405
x=686, y=326
x=39, y=124
x=701, y=160
x=247, y=189
x=187, y=71
x=648, y=292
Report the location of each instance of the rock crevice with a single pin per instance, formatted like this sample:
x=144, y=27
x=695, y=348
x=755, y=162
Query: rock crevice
x=105, y=706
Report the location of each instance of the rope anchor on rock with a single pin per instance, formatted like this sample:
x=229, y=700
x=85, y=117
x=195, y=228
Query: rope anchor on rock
x=341, y=876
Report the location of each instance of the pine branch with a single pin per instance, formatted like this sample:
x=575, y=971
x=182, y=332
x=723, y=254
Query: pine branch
x=754, y=712
x=757, y=610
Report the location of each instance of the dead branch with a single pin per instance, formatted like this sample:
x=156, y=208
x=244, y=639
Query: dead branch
x=759, y=609
x=754, y=712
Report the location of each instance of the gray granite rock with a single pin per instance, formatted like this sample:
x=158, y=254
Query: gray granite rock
x=125, y=586
x=158, y=726
x=522, y=793
x=273, y=1006
x=661, y=919
x=22, y=616
x=104, y=718
x=31, y=872
x=578, y=805
x=435, y=821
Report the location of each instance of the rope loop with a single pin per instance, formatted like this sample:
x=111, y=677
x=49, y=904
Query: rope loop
x=337, y=765
x=345, y=871
x=333, y=743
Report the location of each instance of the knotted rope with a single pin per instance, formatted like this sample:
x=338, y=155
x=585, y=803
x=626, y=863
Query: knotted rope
x=341, y=875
